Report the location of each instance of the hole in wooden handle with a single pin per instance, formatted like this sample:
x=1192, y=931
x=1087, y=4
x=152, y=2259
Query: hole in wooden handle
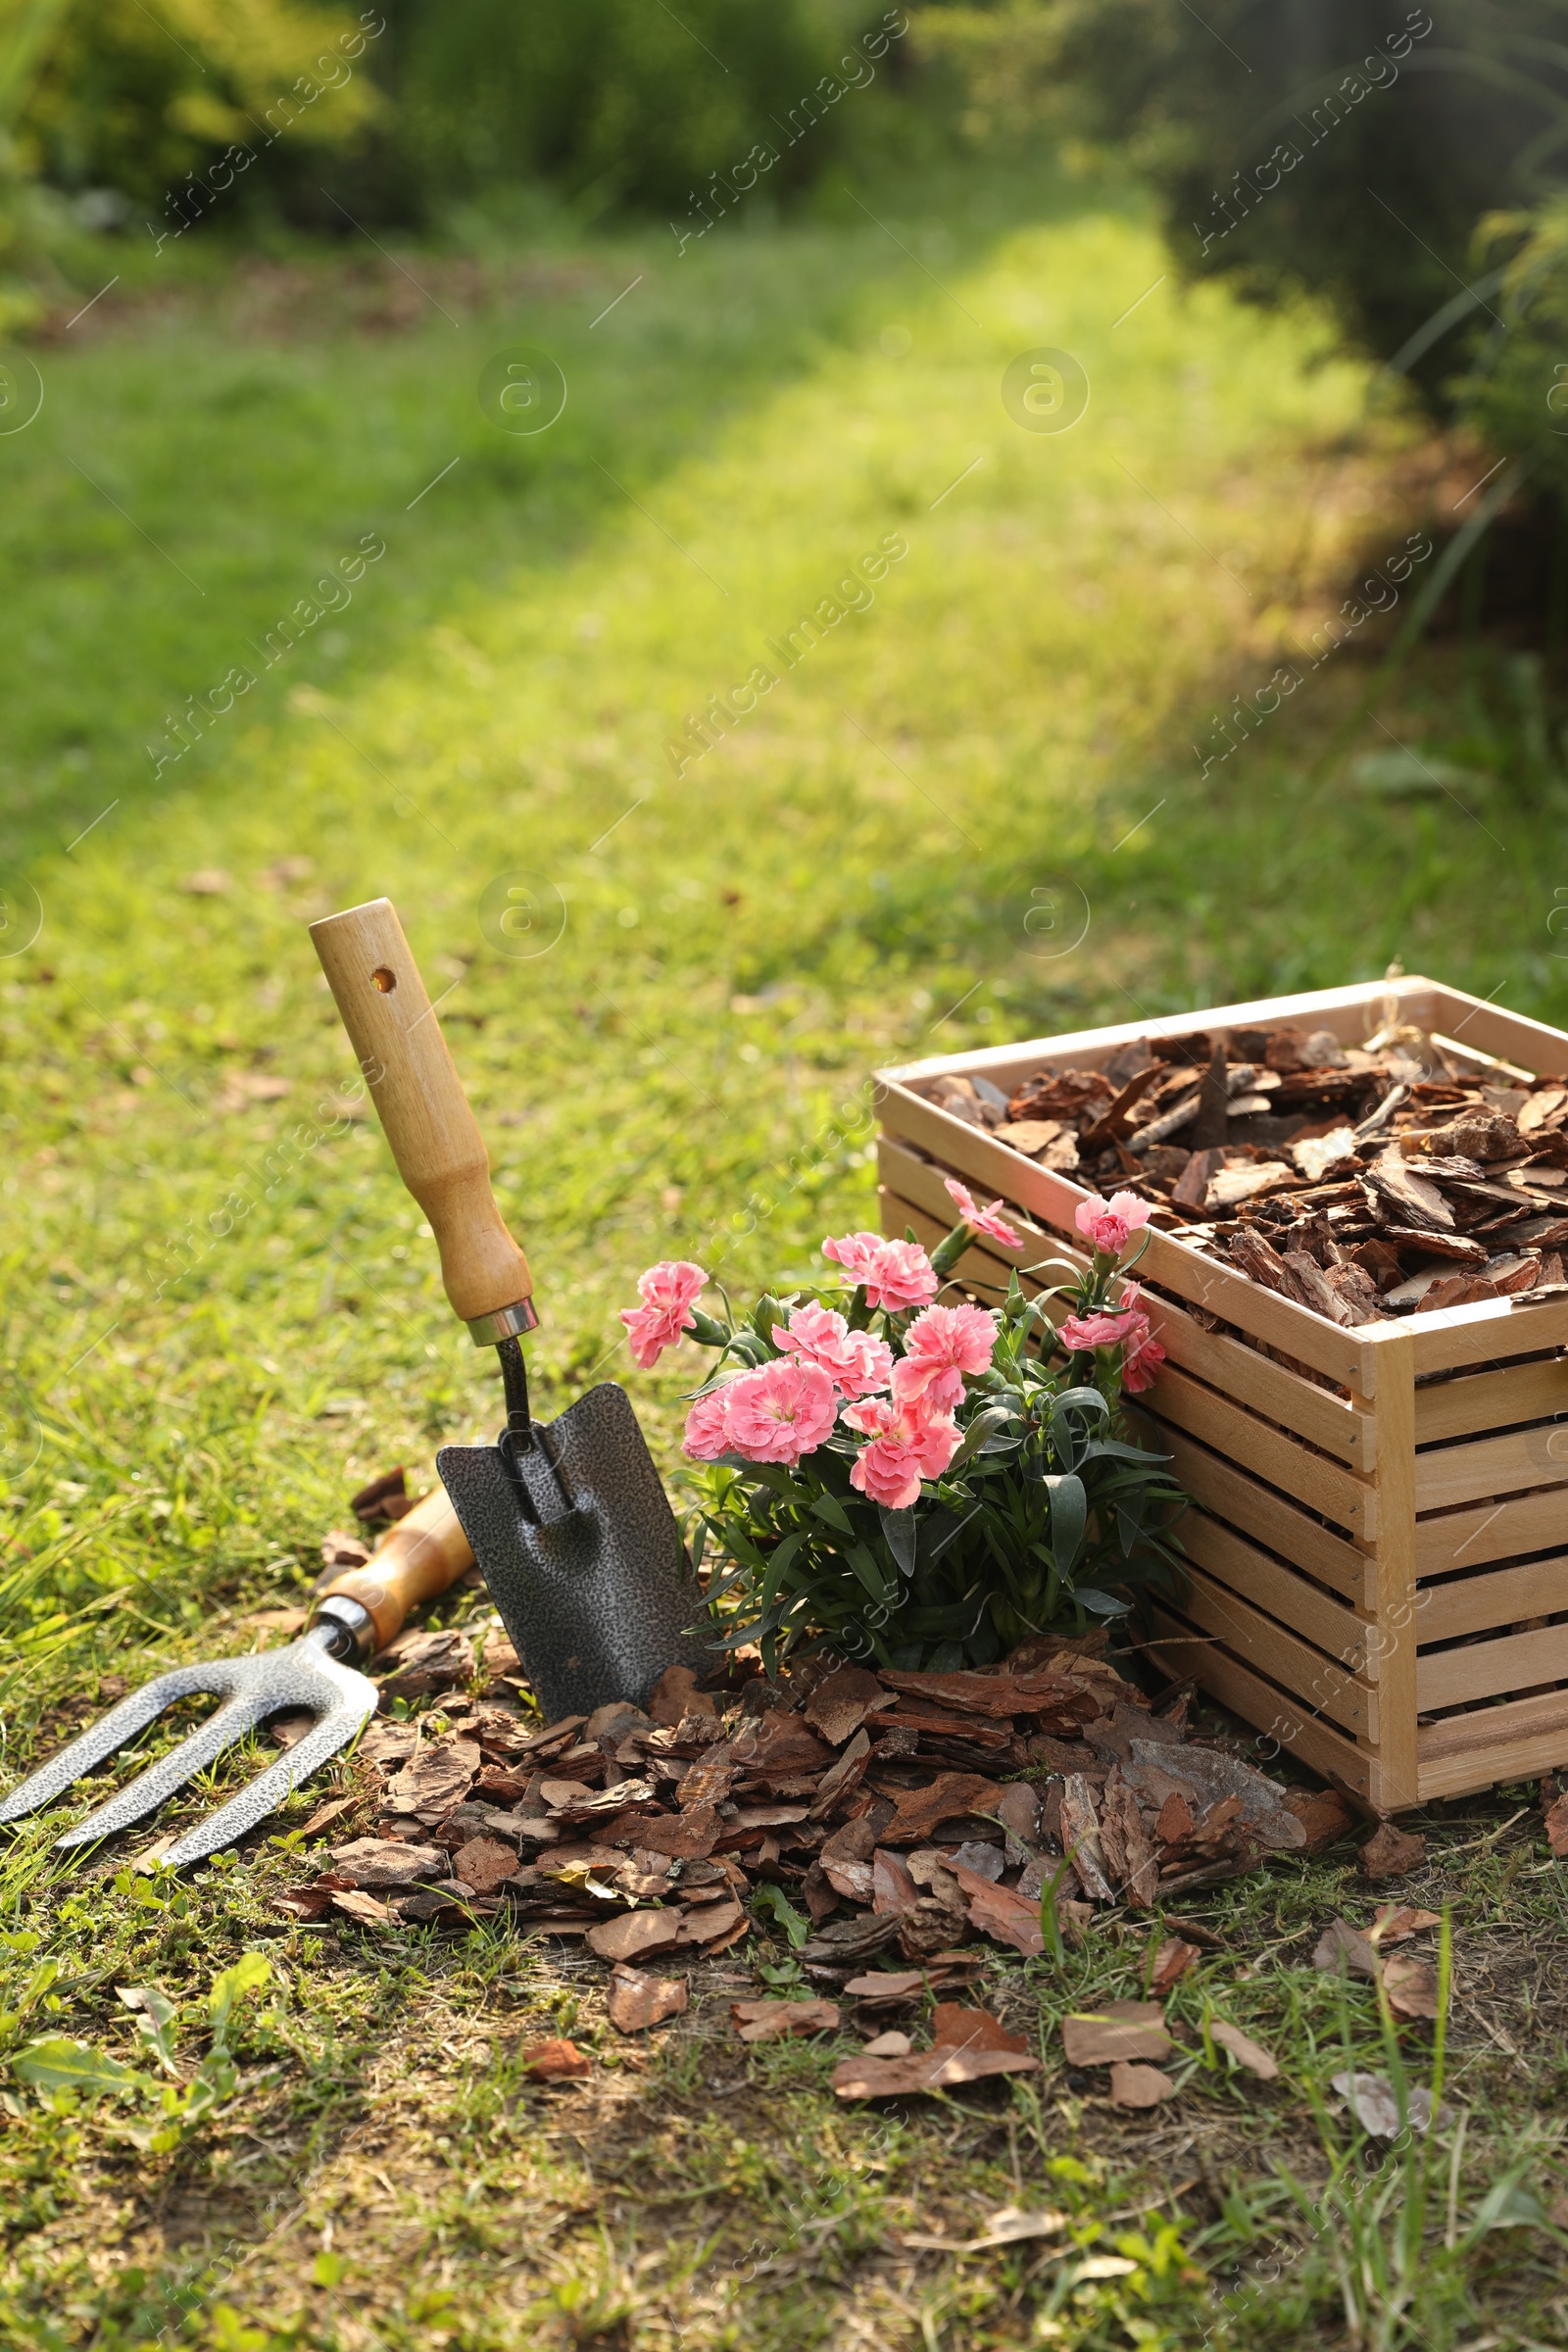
x=385, y=978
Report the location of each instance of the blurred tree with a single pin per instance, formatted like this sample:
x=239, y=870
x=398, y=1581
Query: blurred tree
x=127, y=100
x=620, y=101
x=1348, y=148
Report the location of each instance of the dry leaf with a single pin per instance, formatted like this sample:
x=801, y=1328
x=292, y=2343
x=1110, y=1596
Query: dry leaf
x=635, y=1932
x=1173, y=1960
x=1375, y=2104
x=636, y=2001
x=1244, y=2050
x=1411, y=1987
x=1394, y=1921
x=1138, y=2086
x=948, y=1797
x=866, y=2077
x=893, y=1888
x=1557, y=1827
x=1119, y=2029
x=774, y=2021
x=555, y=2061
x=956, y=2026
x=1009, y=2227
x=999, y=1912
x=1342, y=1946
x=887, y=1984
x=1390, y=1853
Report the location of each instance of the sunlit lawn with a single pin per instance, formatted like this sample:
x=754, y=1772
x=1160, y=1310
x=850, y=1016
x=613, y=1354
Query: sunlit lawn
x=220, y=1313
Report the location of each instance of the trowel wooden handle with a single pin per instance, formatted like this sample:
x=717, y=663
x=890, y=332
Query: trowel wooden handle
x=420, y=1556
x=434, y=1138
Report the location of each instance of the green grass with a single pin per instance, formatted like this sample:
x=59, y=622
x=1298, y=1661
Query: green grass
x=218, y=1320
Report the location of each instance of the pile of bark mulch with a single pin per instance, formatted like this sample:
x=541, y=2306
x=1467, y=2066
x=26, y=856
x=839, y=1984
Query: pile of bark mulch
x=899, y=1816
x=1362, y=1182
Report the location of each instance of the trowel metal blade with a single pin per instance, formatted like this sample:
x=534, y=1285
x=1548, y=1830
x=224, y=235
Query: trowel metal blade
x=594, y=1589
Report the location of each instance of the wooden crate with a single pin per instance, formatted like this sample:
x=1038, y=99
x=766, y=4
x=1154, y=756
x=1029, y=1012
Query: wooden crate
x=1379, y=1553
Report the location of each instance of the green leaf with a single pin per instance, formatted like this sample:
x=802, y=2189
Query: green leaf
x=828, y=1507
x=59, y=2064
x=1069, y=1516
x=249, y=1971
x=1101, y=1604
x=771, y=1898
x=902, y=1537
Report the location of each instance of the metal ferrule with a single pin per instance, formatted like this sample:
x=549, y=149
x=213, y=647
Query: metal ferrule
x=507, y=1323
x=346, y=1630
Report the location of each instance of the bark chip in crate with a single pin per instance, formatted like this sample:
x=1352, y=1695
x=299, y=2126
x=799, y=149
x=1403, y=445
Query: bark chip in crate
x=1360, y=1228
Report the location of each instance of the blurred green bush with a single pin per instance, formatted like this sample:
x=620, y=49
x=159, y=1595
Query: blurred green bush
x=1346, y=148
x=127, y=109
x=621, y=101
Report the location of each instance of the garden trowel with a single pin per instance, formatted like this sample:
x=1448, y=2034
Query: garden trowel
x=567, y=1519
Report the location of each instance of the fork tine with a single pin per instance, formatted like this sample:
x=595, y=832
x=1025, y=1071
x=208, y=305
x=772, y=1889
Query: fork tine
x=111, y=1731
x=233, y=1719
x=267, y=1792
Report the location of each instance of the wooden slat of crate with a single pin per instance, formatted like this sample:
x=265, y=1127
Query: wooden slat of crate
x=1475, y=1604
x=1322, y=1684
x=1310, y=1338
x=1513, y=1741
x=1246, y=1503
x=1258, y=1576
x=1519, y=1391
x=1310, y=1478
x=1342, y=1427
x=1397, y=1777
x=1344, y=1010
x=1513, y=1036
x=1182, y=1650
x=1451, y=1678
x=1492, y=1466
x=1453, y=1336
x=1497, y=1531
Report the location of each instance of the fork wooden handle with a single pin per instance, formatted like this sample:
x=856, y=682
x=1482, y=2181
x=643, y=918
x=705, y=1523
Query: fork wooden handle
x=434, y=1137
x=421, y=1554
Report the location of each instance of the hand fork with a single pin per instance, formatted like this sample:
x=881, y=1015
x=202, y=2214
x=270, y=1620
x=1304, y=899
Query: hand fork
x=359, y=1613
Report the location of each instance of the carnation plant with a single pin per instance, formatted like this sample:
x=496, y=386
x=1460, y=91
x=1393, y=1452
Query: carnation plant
x=893, y=1472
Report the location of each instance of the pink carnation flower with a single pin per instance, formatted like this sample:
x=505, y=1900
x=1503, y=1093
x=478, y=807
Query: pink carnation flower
x=939, y=1346
x=1142, y=1361
x=1094, y=1331
x=707, y=1426
x=856, y=1365
x=984, y=1220
x=779, y=1412
x=893, y=1274
x=908, y=1442
x=668, y=1292
x=1140, y=1353
x=1108, y=1223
